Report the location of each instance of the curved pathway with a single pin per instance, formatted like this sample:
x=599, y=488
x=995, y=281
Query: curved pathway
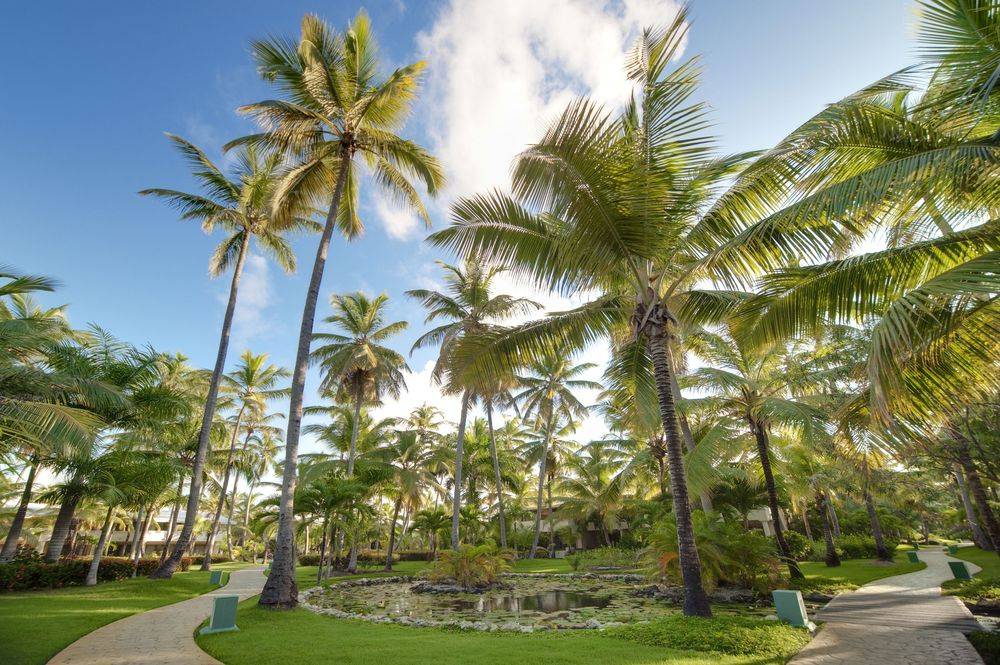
x=900, y=619
x=161, y=636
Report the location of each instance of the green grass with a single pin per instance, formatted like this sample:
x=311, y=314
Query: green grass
x=35, y=625
x=267, y=637
x=988, y=561
x=851, y=573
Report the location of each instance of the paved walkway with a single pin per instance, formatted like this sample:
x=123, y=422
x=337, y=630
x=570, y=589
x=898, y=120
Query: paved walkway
x=901, y=619
x=161, y=636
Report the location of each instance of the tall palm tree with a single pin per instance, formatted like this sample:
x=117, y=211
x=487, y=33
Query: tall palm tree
x=252, y=384
x=468, y=309
x=336, y=107
x=239, y=204
x=593, y=491
x=357, y=366
x=626, y=207
x=408, y=458
x=553, y=443
x=752, y=385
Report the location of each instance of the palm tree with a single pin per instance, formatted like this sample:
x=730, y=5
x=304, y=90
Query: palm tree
x=408, y=458
x=753, y=386
x=252, y=384
x=336, y=107
x=626, y=207
x=546, y=397
x=431, y=521
x=593, y=491
x=241, y=205
x=468, y=308
x=549, y=448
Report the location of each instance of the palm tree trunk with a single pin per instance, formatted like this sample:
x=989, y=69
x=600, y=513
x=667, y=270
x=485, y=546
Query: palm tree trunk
x=280, y=590
x=137, y=541
x=832, y=558
x=229, y=519
x=832, y=514
x=14, y=534
x=246, y=514
x=206, y=563
x=352, y=451
x=696, y=601
x=456, y=503
x=497, y=479
x=705, y=498
x=95, y=563
x=322, y=550
x=61, y=529
x=804, y=507
x=979, y=494
x=763, y=452
x=552, y=525
x=392, y=533
x=169, y=566
x=880, y=548
x=173, y=518
x=541, y=484
x=978, y=537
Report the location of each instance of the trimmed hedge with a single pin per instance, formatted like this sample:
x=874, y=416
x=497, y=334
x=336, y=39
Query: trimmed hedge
x=373, y=558
x=738, y=636
x=858, y=546
x=28, y=575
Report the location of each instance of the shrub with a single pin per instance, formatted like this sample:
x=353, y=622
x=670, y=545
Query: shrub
x=988, y=646
x=471, y=566
x=738, y=636
x=800, y=546
x=604, y=557
x=976, y=590
x=26, y=575
x=859, y=546
x=728, y=553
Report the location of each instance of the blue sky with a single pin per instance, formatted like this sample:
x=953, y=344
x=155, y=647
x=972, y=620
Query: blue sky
x=88, y=90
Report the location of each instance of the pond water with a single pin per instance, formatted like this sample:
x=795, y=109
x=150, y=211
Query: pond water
x=554, y=601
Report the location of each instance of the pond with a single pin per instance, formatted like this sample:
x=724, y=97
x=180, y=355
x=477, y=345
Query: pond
x=528, y=602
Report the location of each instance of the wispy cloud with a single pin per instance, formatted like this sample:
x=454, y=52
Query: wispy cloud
x=256, y=295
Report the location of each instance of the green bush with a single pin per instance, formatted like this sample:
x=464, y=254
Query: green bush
x=859, y=546
x=604, y=557
x=975, y=590
x=471, y=566
x=728, y=553
x=800, y=546
x=26, y=575
x=988, y=646
x=738, y=636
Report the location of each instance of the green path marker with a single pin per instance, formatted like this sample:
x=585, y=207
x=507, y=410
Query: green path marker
x=959, y=570
x=953, y=550
x=912, y=556
x=223, y=616
x=790, y=608
x=216, y=578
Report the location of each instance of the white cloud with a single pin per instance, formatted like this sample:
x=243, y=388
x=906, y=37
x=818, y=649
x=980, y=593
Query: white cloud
x=501, y=70
x=420, y=389
x=255, y=296
x=399, y=223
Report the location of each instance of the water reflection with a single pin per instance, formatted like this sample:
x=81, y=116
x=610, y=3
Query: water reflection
x=557, y=600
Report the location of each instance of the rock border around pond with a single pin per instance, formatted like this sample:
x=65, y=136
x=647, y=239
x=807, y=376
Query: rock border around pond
x=307, y=596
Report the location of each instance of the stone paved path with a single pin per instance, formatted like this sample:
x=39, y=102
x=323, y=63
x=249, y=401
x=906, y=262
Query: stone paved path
x=901, y=619
x=161, y=636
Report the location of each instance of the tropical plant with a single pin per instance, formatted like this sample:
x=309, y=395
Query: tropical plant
x=471, y=566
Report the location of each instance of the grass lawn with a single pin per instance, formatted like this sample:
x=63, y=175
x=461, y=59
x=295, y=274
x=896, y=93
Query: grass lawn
x=303, y=637
x=988, y=561
x=859, y=571
x=35, y=625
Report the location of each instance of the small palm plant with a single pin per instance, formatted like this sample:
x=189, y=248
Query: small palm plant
x=471, y=567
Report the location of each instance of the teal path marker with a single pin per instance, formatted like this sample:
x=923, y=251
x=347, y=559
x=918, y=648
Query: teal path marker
x=223, y=615
x=912, y=556
x=959, y=570
x=953, y=550
x=789, y=607
x=216, y=578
